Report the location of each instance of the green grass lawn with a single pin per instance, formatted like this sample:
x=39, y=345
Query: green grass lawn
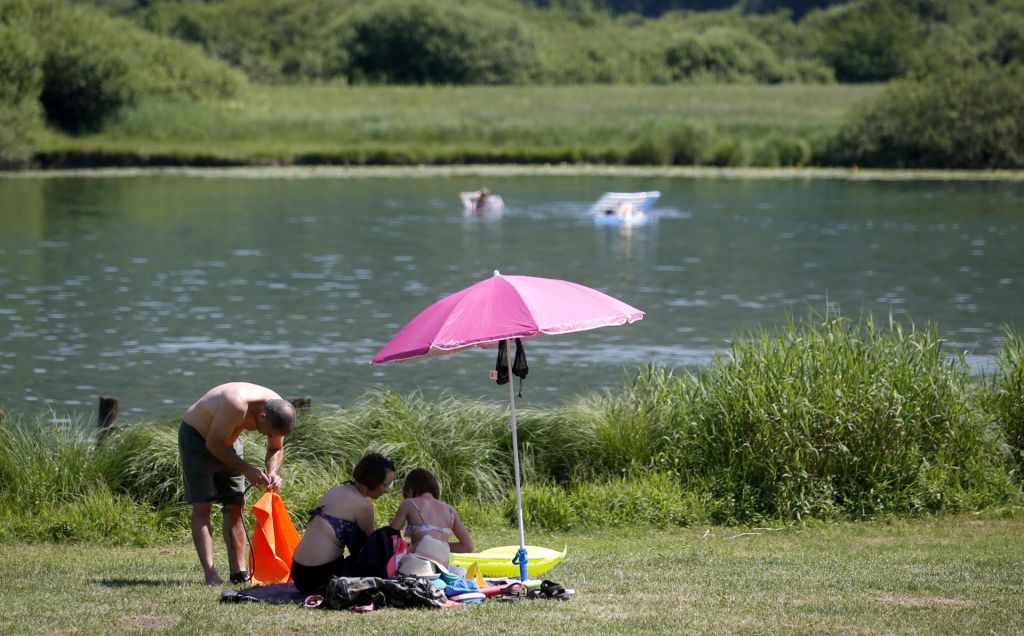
x=442, y=124
x=948, y=575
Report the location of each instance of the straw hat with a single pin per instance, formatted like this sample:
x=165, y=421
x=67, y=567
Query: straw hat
x=434, y=549
x=415, y=565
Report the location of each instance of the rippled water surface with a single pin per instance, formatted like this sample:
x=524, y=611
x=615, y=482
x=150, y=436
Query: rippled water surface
x=154, y=288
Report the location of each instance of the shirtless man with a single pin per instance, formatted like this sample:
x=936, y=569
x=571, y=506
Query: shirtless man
x=213, y=468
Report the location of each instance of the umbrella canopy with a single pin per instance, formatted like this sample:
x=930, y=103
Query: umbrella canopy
x=502, y=308
x=505, y=308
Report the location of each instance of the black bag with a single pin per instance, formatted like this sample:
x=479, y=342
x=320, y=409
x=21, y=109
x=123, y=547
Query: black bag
x=519, y=366
x=373, y=559
x=401, y=591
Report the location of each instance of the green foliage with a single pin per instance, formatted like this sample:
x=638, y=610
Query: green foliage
x=267, y=39
x=142, y=462
x=1004, y=396
x=95, y=66
x=656, y=499
x=682, y=144
x=961, y=119
x=1007, y=46
x=579, y=41
x=21, y=75
x=782, y=150
x=438, y=42
x=826, y=419
x=866, y=41
x=837, y=418
x=722, y=55
x=89, y=76
x=465, y=444
x=96, y=516
x=45, y=463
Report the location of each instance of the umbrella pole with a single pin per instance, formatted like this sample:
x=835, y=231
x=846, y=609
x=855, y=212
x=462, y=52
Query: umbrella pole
x=520, y=558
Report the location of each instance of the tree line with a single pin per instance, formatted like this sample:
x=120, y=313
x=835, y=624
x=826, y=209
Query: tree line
x=78, y=64
x=588, y=41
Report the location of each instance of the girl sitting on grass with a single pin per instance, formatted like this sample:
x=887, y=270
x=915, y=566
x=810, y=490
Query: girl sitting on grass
x=427, y=518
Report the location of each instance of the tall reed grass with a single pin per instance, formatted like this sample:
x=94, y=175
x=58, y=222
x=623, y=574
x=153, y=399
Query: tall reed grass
x=833, y=418
x=826, y=418
x=1004, y=397
x=54, y=486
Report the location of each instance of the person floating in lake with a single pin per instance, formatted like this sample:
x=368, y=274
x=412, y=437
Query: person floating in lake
x=480, y=202
x=429, y=520
x=213, y=468
x=624, y=210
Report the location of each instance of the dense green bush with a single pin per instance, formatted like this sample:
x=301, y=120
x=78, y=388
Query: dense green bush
x=1004, y=397
x=1007, y=47
x=21, y=75
x=269, y=40
x=94, y=66
x=722, y=55
x=438, y=42
x=866, y=41
x=837, y=419
x=961, y=119
x=681, y=144
x=782, y=150
x=88, y=75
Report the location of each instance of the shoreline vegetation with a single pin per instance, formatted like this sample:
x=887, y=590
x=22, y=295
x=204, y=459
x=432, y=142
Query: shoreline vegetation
x=622, y=126
x=279, y=171
x=868, y=83
x=826, y=420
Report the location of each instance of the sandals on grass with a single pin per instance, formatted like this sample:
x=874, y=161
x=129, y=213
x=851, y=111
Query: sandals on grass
x=550, y=589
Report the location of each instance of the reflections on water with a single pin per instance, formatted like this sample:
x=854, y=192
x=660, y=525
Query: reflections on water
x=154, y=288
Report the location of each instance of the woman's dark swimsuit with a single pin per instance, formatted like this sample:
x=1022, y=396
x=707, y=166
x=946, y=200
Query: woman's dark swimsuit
x=311, y=579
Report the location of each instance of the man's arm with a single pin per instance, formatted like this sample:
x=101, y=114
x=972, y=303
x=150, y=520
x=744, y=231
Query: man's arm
x=275, y=457
x=227, y=420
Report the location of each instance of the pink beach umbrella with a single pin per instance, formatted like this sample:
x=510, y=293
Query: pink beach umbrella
x=504, y=308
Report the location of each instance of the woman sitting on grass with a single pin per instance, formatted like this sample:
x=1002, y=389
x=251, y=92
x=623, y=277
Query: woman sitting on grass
x=342, y=519
x=428, y=519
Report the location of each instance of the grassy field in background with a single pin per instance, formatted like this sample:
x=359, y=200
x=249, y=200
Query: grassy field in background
x=448, y=124
x=946, y=575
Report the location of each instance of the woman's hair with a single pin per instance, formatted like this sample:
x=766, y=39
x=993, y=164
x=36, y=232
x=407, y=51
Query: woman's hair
x=372, y=470
x=421, y=480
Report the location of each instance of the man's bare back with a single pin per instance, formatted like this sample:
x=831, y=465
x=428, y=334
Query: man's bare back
x=227, y=400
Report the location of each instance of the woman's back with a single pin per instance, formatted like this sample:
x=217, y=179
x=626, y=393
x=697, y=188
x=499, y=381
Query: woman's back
x=337, y=522
x=429, y=516
x=424, y=514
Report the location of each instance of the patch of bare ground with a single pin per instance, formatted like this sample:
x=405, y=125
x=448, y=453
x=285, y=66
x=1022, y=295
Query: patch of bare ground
x=149, y=622
x=922, y=602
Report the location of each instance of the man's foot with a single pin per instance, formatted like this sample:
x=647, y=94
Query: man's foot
x=240, y=577
x=214, y=579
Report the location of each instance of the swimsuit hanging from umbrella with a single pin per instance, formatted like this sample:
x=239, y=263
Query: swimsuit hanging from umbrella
x=504, y=308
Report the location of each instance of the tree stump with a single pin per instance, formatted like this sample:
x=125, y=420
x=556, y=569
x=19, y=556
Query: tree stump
x=109, y=408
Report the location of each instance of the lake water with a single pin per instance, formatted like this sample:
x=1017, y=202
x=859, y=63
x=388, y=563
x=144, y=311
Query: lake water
x=154, y=288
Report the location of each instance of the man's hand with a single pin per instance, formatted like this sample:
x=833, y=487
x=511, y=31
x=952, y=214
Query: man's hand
x=275, y=482
x=257, y=477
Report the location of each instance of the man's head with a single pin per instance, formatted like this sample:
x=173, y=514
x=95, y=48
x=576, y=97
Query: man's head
x=280, y=416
